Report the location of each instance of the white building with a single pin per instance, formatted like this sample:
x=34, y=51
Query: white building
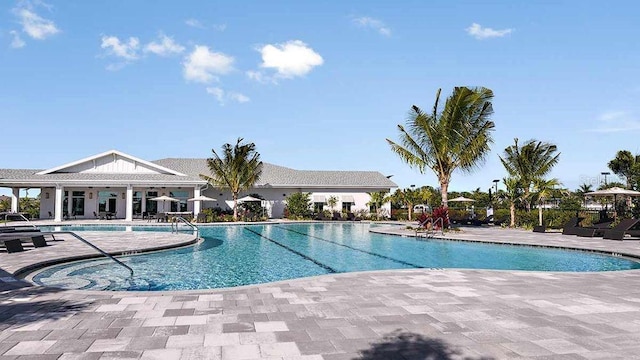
x=121, y=184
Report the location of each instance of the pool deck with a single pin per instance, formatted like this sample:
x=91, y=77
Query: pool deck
x=397, y=314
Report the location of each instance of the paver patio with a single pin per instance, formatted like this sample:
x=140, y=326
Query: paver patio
x=398, y=314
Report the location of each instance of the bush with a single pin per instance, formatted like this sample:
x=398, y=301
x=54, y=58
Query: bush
x=298, y=206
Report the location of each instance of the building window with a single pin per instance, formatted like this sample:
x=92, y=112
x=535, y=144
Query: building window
x=346, y=206
x=77, y=203
x=137, y=203
x=182, y=196
x=107, y=201
x=318, y=207
x=151, y=206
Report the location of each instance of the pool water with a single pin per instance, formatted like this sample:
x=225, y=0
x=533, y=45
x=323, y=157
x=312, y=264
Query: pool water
x=252, y=254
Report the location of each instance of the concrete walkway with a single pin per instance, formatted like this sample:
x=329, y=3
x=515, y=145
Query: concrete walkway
x=403, y=314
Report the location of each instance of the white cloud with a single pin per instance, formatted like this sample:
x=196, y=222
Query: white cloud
x=199, y=25
x=374, y=24
x=481, y=33
x=126, y=50
x=165, y=47
x=257, y=76
x=203, y=65
x=617, y=121
x=222, y=97
x=291, y=59
x=33, y=24
x=17, y=41
x=194, y=23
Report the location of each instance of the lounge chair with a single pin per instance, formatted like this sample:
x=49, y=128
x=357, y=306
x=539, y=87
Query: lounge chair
x=337, y=216
x=570, y=226
x=12, y=245
x=320, y=216
x=623, y=228
x=597, y=230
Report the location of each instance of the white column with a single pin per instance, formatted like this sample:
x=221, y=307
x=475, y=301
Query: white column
x=58, y=204
x=144, y=201
x=129, y=211
x=69, y=203
x=15, y=199
x=196, y=204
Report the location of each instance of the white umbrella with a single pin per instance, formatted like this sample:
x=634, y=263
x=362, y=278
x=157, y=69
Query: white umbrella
x=201, y=198
x=613, y=191
x=248, y=198
x=461, y=199
x=164, y=198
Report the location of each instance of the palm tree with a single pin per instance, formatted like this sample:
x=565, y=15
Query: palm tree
x=332, y=201
x=454, y=137
x=626, y=166
x=238, y=169
x=377, y=199
x=533, y=160
x=513, y=194
x=583, y=189
x=544, y=189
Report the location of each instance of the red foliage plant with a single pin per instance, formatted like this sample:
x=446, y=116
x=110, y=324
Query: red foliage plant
x=441, y=213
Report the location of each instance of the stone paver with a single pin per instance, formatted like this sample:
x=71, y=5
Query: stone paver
x=420, y=313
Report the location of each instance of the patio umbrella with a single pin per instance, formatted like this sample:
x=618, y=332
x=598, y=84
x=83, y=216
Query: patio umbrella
x=461, y=199
x=614, y=191
x=201, y=198
x=248, y=198
x=164, y=198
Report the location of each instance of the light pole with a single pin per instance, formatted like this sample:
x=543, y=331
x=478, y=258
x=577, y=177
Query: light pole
x=605, y=173
x=495, y=184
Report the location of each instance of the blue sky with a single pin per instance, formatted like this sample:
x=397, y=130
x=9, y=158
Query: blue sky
x=316, y=85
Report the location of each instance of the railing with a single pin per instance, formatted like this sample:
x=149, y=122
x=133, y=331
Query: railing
x=94, y=247
x=431, y=230
x=6, y=217
x=179, y=219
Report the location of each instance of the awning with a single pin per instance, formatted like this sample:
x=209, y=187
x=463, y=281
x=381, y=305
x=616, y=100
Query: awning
x=319, y=199
x=348, y=198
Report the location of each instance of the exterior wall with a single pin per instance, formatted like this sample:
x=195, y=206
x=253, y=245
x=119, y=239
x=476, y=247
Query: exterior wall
x=276, y=198
x=112, y=164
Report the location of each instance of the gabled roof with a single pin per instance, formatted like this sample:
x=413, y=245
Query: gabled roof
x=280, y=176
x=115, y=153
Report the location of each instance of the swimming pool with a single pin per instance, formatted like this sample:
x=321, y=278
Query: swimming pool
x=251, y=254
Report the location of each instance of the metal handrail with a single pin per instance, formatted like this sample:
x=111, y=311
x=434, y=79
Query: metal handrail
x=434, y=221
x=93, y=246
x=183, y=220
x=6, y=216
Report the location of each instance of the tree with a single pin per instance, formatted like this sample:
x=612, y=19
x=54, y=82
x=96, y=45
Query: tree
x=454, y=137
x=408, y=198
x=298, y=205
x=377, y=199
x=513, y=194
x=332, y=201
x=583, y=189
x=627, y=167
x=531, y=161
x=543, y=190
x=237, y=170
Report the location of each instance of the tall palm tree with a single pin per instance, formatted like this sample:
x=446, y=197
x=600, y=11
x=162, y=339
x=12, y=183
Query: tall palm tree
x=626, y=166
x=533, y=160
x=544, y=189
x=238, y=169
x=454, y=137
x=514, y=195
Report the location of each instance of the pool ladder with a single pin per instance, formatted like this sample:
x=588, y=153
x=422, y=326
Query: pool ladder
x=179, y=219
x=432, y=231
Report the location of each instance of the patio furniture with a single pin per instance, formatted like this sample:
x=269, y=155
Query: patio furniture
x=337, y=216
x=597, y=230
x=570, y=226
x=13, y=245
x=619, y=231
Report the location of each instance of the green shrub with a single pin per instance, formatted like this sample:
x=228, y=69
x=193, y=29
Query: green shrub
x=298, y=206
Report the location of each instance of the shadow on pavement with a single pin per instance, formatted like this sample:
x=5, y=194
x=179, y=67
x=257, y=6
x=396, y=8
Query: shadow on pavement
x=405, y=345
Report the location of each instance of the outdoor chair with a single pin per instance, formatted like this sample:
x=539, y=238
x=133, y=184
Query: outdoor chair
x=337, y=216
x=50, y=215
x=597, y=230
x=12, y=245
x=570, y=226
x=201, y=218
x=623, y=228
x=320, y=216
